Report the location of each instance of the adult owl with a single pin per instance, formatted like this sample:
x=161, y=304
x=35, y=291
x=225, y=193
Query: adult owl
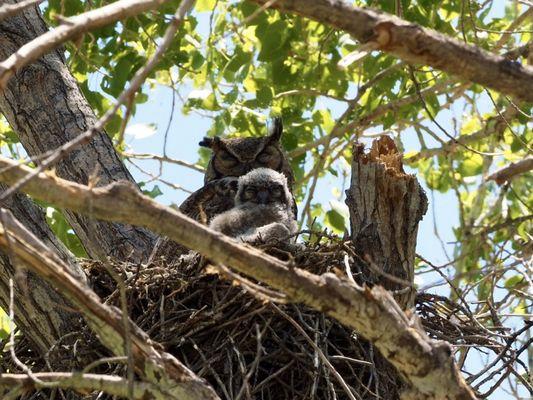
x=230, y=159
x=263, y=209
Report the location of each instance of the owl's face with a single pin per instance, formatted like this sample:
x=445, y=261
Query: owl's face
x=263, y=186
x=236, y=157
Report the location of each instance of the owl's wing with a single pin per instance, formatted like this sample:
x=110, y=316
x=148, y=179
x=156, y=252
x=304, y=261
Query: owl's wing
x=212, y=199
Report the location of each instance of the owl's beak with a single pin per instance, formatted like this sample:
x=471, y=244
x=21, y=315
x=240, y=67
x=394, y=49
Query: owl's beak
x=263, y=196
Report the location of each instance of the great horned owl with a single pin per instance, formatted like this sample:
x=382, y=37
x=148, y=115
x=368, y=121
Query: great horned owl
x=230, y=159
x=263, y=209
x=236, y=157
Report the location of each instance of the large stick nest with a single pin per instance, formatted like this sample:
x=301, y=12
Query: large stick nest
x=239, y=335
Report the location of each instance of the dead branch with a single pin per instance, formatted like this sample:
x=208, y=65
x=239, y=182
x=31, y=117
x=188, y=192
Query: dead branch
x=386, y=205
x=169, y=377
x=510, y=171
x=416, y=44
x=426, y=364
x=71, y=28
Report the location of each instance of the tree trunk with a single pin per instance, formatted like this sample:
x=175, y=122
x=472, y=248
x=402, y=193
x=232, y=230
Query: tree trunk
x=42, y=314
x=44, y=105
x=386, y=205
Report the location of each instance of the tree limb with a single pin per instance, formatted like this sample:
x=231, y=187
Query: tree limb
x=41, y=313
x=110, y=384
x=426, y=364
x=495, y=125
x=418, y=45
x=72, y=27
x=510, y=171
x=47, y=109
x=8, y=10
x=366, y=120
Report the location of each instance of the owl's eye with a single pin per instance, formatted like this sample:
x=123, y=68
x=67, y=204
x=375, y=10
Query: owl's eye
x=266, y=155
x=276, y=192
x=227, y=157
x=249, y=193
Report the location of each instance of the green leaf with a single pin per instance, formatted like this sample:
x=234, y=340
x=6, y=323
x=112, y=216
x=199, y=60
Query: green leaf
x=154, y=192
x=514, y=281
x=4, y=325
x=471, y=166
x=205, y=5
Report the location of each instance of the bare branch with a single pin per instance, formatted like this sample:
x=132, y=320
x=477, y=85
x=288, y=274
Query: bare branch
x=494, y=126
x=427, y=364
x=418, y=45
x=510, y=171
x=71, y=28
x=59, y=153
x=161, y=159
x=365, y=121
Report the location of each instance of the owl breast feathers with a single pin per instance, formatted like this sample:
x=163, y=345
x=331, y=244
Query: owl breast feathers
x=263, y=209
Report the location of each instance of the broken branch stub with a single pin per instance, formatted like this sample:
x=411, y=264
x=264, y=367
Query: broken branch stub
x=386, y=205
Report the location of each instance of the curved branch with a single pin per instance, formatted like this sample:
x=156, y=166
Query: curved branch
x=42, y=315
x=47, y=109
x=510, y=171
x=427, y=365
x=416, y=44
x=8, y=10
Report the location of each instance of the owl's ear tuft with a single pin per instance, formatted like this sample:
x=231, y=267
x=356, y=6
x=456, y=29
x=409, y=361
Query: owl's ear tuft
x=210, y=143
x=277, y=130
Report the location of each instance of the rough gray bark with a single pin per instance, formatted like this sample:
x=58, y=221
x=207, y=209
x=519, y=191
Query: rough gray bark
x=45, y=107
x=42, y=314
x=386, y=206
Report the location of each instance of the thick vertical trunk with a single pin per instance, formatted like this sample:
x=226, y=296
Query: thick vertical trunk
x=46, y=108
x=386, y=205
x=42, y=314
